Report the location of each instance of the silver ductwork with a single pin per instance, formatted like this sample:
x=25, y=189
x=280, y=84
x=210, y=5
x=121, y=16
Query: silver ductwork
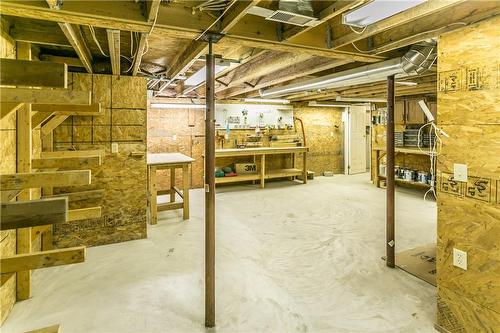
x=416, y=61
x=296, y=12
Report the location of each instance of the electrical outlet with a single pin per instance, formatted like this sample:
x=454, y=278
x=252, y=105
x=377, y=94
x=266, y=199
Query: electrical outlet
x=460, y=172
x=114, y=147
x=174, y=137
x=460, y=259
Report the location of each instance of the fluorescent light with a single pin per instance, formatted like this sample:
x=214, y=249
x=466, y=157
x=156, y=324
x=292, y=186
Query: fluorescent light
x=177, y=106
x=201, y=75
x=426, y=110
x=377, y=10
x=406, y=83
x=331, y=105
x=267, y=100
x=356, y=99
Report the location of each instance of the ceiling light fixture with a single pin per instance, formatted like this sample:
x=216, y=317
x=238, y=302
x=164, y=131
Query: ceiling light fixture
x=377, y=10
x=331, y=105
x=200, y=75
x=267, y=100
x=177, y=106
x=360, y=99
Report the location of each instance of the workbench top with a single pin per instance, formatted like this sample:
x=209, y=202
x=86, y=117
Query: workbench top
x=168, y=158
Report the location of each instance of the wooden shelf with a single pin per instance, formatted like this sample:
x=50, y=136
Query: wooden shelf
x=235, y=179
x=406, y=151
x=410, y=182
x=281, y=173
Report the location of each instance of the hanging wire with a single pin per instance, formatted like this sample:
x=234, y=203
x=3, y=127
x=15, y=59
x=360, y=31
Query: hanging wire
x=92, y=32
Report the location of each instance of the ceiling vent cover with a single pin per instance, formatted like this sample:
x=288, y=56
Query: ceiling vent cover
x=291, y=18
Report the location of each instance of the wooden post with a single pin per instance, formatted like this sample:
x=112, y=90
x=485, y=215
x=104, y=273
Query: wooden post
x=210, y=190
x=153, y=209
x=24, y=151
x=390, y=241
x=262, y=170
x=185, y=191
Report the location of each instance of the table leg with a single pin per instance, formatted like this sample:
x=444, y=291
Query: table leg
x=172, y=184
x=304, y=168
x=262, y=170
x=152, y=196
x=185, y=191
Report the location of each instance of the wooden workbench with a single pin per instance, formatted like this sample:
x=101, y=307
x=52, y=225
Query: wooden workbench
x=264, y=174
x=169, y=161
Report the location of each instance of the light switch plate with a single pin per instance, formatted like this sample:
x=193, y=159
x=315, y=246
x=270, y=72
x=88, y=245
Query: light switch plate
x=460, y=172
x=114, y=147
x=460, y=259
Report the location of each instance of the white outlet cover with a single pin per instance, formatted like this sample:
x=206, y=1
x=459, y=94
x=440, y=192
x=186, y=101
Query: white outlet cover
x=114, y=148
x=460, y=172
x=460, y=259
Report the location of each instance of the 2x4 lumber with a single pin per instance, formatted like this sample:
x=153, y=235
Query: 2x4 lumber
x=427, y=8
x=152, y=7
x=7, y=108
x=84, y=213
x=73, y=62
x=114, y=50
x=75, y=38
x=140, y=51
x=51, y=125
x=73, y=153
x=48, y=329
x=93, y=109
x=235, y=14
x=79, y=196
x=44, y=259
x=19, y=181
x=32, y=213
x=24, y=154
x=39, y=35
x=66, y=163
x=39, y=118
x=26, y=73
x=45, y=96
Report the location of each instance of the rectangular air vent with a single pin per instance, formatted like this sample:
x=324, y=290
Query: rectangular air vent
x=291, y=18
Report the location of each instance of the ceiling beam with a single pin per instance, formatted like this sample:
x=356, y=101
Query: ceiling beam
x=139, y=53
x=73, y=62
x=427, y=8
x=75, y=38
x=237, y=12
x=152, y=8
x=48, y=36
x=114, y=50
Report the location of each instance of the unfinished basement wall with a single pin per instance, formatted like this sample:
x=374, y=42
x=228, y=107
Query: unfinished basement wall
x=7, y=165
x=469, y=212
x=122, y=175
x=183, y=130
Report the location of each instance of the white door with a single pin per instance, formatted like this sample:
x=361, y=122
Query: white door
x=357, y=139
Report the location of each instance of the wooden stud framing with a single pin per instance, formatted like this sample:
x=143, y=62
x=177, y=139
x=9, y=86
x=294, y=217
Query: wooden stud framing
x=139, y=54
x=93, y=109
x=50, y=125
x=114, y=50
x=32, y=213
x=45, y=96
x=19, y=181
x=36, y=260
x=39, y=118
x=26, y=73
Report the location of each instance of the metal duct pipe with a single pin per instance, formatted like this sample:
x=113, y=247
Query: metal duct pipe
x=302, y=7
x=415, y=62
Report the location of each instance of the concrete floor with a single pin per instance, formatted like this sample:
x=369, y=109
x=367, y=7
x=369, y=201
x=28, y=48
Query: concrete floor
x=290, y=258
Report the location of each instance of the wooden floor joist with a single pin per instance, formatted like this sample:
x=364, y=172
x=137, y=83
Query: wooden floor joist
x=66, y=163
x=45, y=96
x=44, y=259
x=26, y=73
x=18, y=181
x=25, y=214
x=84, y=213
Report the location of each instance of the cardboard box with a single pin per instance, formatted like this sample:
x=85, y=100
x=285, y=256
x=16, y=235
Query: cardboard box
x=245, y=168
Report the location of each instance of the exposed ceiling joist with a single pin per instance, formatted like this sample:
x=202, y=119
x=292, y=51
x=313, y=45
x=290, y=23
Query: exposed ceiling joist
x=114, y=50
x=73, y=62
x=75, y=38
x=47, y=36
x=152, y=8
x=139, y=53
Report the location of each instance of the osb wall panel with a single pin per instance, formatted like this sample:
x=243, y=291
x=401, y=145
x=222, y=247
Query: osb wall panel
x=183, y=130
x=123, y=176
x=468, y=214
x=7, y=165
